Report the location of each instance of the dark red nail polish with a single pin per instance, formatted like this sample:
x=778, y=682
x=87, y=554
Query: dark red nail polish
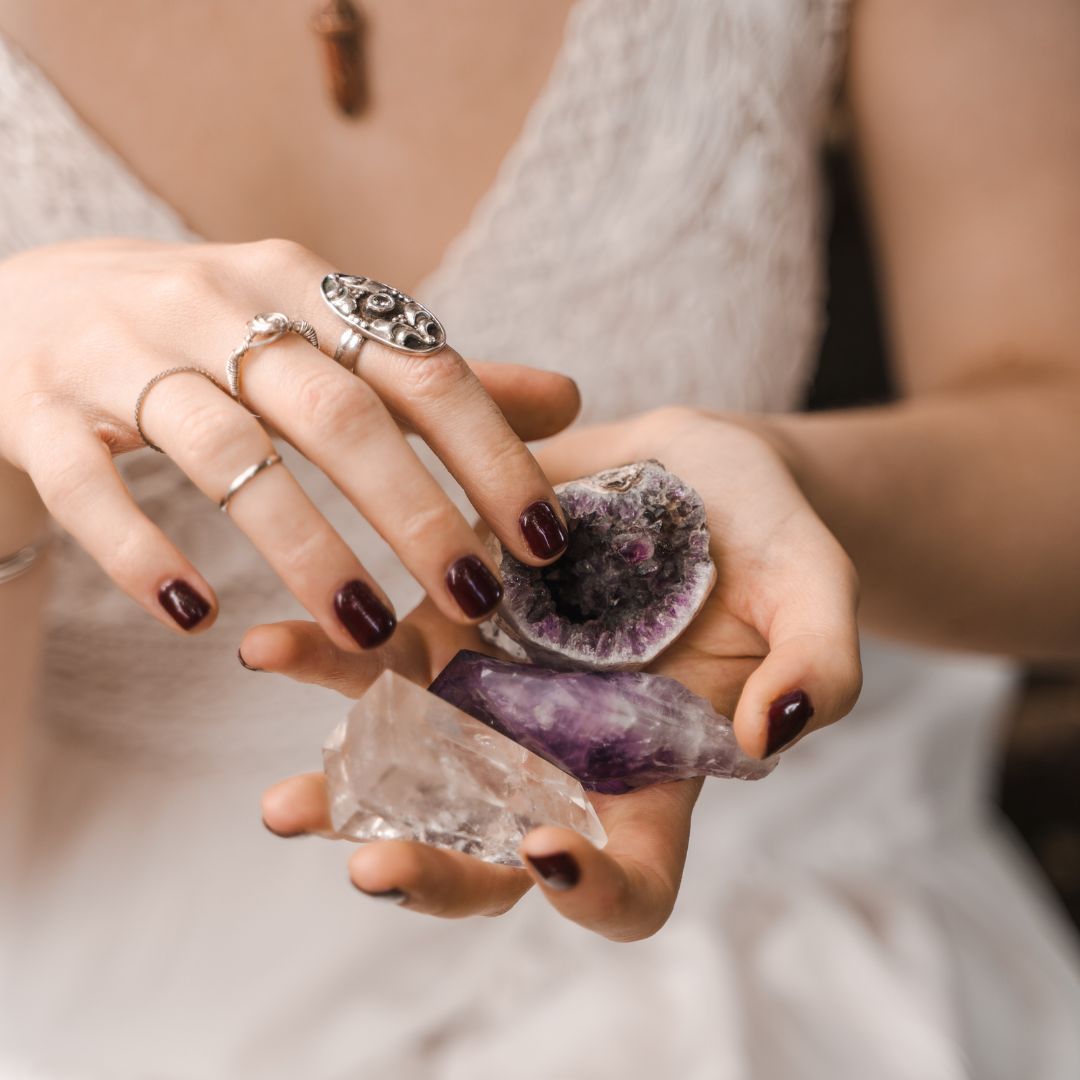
x=244, y=663
x=473, y=586
x=183, y=603
x=387, y=896
x=559, y=871
x=543, y=531
x=788, y=715
x=363, y=614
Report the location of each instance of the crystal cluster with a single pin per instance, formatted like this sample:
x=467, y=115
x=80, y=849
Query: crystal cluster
x=634, y=575
x=615, y=731
x=406, y=765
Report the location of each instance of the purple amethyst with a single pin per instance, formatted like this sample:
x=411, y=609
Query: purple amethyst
x=635, y=574
x=614, y=731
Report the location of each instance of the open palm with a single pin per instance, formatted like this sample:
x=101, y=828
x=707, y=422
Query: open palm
x=775, y=646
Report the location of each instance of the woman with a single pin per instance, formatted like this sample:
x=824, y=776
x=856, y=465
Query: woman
x=653, y=232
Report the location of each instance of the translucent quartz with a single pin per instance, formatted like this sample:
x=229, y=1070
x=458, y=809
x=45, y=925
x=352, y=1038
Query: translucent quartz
x=405, y=765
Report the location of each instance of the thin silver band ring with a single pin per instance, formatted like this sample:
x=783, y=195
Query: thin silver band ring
x=246, y=477
x=348, y=351
x=141, y=399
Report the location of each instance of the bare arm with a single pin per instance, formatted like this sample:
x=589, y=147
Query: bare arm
x=960, y=506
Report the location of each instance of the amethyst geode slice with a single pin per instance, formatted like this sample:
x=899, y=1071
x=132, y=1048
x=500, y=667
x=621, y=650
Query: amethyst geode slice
x=614, y=731
x=635, y=573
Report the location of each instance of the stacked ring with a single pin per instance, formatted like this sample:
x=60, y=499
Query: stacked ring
x=141, y=399
x=265, y=329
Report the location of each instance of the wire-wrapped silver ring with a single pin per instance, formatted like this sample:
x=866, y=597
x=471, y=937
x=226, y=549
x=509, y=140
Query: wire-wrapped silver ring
x=265, y=329
x=246, y=477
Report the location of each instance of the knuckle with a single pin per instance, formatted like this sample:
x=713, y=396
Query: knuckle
x=187, y=280
x=277, y=251
x=212, y=431
x=436, y=375
x=306, y=550
x=441, y=519
x=328, y=404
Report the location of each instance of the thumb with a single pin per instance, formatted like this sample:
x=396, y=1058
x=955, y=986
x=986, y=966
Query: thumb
x=811, y=676
x=536, y=403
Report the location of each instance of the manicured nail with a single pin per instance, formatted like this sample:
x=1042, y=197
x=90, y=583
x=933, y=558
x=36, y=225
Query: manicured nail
x=183, y=603
x=282, y=835
x=244, y=663
x=388, y=896
x=788, y=715
x=363, y=614
x=559, y=871
x=543, y=531
x=473, y=586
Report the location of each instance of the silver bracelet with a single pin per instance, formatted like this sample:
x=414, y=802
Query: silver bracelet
x=13, y=566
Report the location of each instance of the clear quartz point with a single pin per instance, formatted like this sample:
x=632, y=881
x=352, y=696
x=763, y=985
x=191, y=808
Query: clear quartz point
x=406, y=765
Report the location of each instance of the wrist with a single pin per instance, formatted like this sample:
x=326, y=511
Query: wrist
x=779, y=431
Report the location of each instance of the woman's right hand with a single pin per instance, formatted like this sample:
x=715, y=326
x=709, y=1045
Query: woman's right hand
x=85, y=326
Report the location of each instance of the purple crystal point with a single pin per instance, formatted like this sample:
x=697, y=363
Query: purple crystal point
x=614, y=731
x=635, y=573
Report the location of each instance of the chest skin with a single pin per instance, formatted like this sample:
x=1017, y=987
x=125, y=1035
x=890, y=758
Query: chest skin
x=222, y=110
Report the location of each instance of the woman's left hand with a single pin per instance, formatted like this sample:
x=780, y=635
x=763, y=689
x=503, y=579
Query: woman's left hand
x=776, y=647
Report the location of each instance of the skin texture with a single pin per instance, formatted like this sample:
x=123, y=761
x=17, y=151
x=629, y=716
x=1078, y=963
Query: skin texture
x=957, y=507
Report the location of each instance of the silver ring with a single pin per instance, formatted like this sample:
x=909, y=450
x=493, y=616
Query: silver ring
x=141, y=399
x=265, y=329
x=380, y=312
x=246, y=477
x=347, y=353
x=14, y=566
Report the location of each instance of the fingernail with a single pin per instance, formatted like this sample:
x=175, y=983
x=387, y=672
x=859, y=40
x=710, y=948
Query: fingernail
x=183, y=603
x=543, y=531
x=363, y=614
x=244, y=663
x=282, y=835
x=388, y=896
x=473, y=586
x=788, y=715
x=559, y=871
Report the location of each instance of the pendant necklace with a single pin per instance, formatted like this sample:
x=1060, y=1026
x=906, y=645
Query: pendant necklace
x=341, y=28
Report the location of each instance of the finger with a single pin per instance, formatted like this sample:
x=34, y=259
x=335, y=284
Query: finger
x=214, y=440
x=78, y=482
x=298, y=806
x=302, y=651
x=422, y=878
x=537, y=404
x=435, y=881
x=627, y=891
x=444, y=402
x=338, y=422
x=812, y=675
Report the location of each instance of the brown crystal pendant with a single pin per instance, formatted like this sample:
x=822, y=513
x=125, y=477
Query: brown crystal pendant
x=340, y=26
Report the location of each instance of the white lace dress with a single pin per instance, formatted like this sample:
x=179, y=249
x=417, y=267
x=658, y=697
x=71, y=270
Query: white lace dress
x=858, y=914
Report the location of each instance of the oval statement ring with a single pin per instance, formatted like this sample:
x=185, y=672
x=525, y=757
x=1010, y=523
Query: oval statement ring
x=382, y=313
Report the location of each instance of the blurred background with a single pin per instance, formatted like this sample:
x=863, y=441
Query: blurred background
x=1038, y=788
